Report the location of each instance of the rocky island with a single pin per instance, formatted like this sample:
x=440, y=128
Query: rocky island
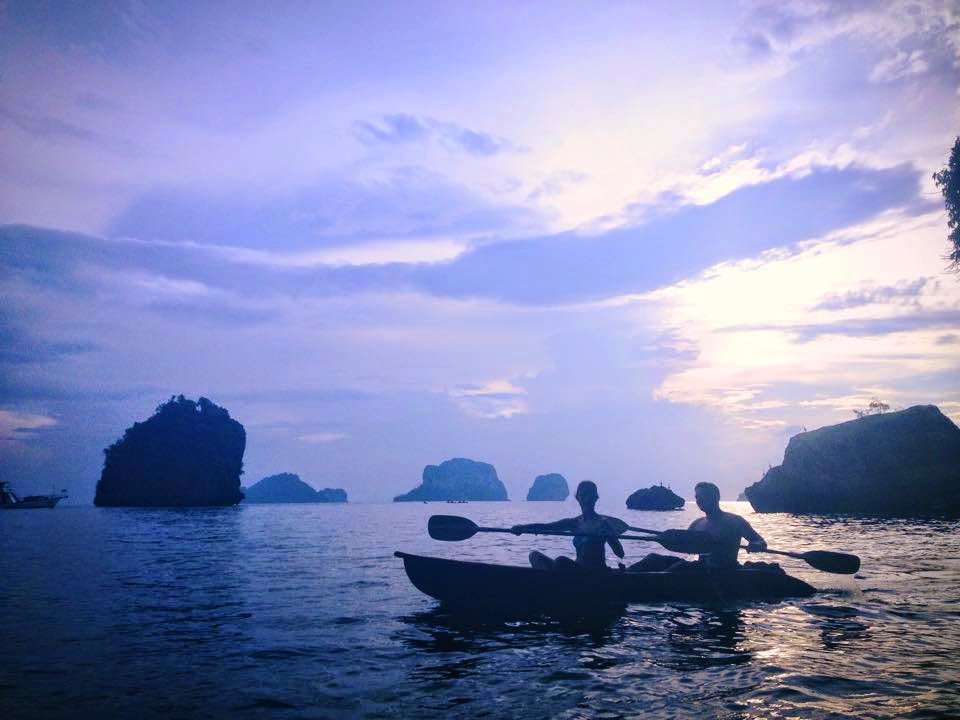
x=289, y=488
x=655, y=497
x=187, y=454
x=457, y=479
x=552, y=486
x=896, y=463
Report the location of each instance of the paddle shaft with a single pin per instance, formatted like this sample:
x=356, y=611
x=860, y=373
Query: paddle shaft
x=798, y=556
x=560, y=533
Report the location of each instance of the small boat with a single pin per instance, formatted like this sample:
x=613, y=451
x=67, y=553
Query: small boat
x=10, y=501
x=487, y=587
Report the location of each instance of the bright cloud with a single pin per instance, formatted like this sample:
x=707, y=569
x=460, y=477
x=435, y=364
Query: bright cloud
x=21, y=426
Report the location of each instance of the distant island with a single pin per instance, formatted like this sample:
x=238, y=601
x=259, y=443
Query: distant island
x=655, y=497
x=552, y=486
x=457, y=479
x=289, y=488
x=742, y=497
x=187, y=454
x=894, y=463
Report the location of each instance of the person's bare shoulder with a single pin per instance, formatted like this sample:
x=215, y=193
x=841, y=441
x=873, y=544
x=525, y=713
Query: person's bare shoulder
x=697, y=524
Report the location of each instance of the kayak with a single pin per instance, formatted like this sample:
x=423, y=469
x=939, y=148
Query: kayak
x=489, y=587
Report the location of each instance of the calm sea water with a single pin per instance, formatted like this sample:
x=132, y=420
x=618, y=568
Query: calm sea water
x=302, y=611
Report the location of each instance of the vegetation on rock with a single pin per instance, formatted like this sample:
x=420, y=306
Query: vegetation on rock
x=948, y=181
x=187, y=454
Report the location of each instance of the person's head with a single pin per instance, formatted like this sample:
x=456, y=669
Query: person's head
x=587, y=494
x=708, y=496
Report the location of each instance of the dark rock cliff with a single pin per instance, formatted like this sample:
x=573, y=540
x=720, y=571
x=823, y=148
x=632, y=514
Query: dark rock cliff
x=289, y=488
x=900, y=463
x=552, y=486
x=655, y=497
x=188, y=453
x=457, y=479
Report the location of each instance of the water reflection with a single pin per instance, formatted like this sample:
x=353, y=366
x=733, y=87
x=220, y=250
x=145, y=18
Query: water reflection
x=839, y=625
x=702, y=638
x=439, y=630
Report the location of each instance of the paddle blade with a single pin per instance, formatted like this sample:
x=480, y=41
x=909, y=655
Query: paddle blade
x=451, y=528
x=832, y=562
x=693, y=542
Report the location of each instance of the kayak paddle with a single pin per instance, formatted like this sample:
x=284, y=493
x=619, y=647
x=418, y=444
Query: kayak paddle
x=453, y=528
x=825, y=560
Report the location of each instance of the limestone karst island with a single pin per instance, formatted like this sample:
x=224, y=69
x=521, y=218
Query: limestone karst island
x=189, y=453
x=894, y=463
x=549, y=487
x=289, y=488
x=457, y=479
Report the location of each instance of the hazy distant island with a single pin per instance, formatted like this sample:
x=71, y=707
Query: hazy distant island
x=289, y=488
x=742, y=497
x=552, y=486
x=457, y=479
x=896, y=463
x=655, y=497
x=187, y=454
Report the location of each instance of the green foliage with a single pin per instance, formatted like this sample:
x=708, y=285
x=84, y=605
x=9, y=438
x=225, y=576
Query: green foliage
x=874, y=408
x=948, y=181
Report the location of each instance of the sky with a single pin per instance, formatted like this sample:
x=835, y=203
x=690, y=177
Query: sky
x=628, y=242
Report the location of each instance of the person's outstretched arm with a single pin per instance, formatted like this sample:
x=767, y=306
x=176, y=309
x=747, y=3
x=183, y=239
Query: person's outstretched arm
x=568, y=525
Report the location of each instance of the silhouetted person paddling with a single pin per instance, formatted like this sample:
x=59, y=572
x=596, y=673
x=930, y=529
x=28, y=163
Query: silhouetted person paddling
x=725, y=528
x=591, y=551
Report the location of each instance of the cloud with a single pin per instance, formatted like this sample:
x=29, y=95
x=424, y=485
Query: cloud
x=872, y=327
x=392, y=130
x=859, y=327
x=20, y=346
x=493, y=399
x=406, y=204
x=899, y=66
x=544, y=270
x=322, y=438
x=873, y=295
x=573, y=268
x=22, y=426
x=400, y=128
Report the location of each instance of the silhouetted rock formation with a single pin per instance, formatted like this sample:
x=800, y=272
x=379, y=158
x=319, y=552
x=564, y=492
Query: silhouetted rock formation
x=899, y=463
x=457, y=479
x=188, y=453
x=655, y=497
x=289, y=488
x=549, y=487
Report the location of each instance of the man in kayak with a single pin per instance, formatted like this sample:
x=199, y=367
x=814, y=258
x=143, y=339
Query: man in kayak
x=591, y=550
x=725, y=528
